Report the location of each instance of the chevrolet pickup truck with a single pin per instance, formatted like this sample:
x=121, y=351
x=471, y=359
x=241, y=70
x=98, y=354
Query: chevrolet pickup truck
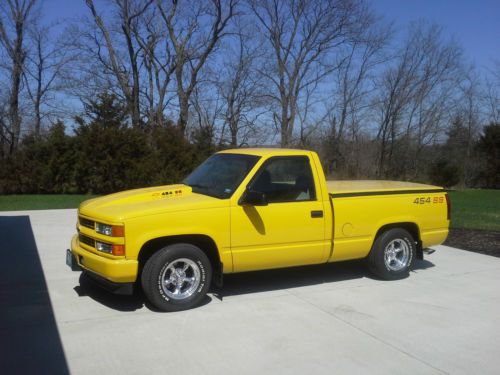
x=251, y=209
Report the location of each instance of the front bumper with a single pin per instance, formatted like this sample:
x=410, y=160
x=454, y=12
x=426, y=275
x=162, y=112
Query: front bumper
x=112, y=270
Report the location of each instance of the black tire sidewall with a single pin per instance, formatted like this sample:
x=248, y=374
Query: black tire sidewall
x=156, y=265
x=376, y=259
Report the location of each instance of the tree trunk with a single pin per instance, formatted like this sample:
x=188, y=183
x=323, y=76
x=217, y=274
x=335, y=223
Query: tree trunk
x=135, y=110
x=39, y=93
x=285, y=141
x=15, y=119
x=233, y=127
x=183, y=113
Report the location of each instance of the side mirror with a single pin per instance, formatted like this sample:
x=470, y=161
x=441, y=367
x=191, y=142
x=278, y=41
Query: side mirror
x=253, y=198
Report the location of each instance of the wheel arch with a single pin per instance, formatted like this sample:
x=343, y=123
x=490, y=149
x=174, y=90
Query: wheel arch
x=411, y=227
x=202, y=241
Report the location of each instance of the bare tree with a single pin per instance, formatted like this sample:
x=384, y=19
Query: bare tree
x=239, y=86
x=414, y=94
x=468, y=113
x=194, y=31
x=301, y=35
x=207, y=110
x=352, y=95
x=492, y=96
x=159, y=63
x=44, y=66
x=128, y=12
x=16, y=14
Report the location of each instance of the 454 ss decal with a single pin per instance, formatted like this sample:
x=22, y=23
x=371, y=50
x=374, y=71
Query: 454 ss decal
x=428, y=200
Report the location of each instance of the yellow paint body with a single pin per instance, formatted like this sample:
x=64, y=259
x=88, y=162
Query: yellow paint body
x=260, y=237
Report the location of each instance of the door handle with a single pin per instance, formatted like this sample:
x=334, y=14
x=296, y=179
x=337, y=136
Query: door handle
x=316, y=214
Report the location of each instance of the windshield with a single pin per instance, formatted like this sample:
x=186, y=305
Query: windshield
x=220, y=174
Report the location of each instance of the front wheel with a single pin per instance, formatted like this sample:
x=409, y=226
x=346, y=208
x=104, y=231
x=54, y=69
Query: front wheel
x=176, y=277
x=392, y=254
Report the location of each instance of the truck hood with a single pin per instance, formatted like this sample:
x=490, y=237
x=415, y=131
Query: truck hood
x=116, y=208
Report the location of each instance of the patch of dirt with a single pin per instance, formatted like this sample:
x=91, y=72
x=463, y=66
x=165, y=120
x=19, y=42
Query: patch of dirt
x=478, y=241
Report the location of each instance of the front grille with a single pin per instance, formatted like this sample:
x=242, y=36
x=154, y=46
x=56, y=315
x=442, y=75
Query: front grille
x=86, y=222
x=86, y=240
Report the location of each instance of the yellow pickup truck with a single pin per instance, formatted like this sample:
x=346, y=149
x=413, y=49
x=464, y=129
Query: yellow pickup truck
x=251, y=209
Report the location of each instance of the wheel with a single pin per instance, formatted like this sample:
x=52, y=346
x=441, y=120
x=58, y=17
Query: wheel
x=392, y=254
x=176, y=277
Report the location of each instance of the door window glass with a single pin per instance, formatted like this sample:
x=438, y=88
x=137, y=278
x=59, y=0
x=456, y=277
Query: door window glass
x=286, y=179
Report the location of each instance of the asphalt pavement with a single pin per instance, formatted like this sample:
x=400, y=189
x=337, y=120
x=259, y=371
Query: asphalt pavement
x=444, y=318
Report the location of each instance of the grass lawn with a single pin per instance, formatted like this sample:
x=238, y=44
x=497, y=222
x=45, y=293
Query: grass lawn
x=41, y=202
x=475, y=209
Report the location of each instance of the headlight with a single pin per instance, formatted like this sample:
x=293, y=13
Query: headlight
x=104, y=247
x=104, y=229
x=109, y=230
x=117, y=250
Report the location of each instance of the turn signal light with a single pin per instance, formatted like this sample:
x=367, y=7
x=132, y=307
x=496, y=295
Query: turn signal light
x=118, y=231
x=118, y=250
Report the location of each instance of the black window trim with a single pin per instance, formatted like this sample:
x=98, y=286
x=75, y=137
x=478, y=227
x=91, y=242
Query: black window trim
x=272, y=158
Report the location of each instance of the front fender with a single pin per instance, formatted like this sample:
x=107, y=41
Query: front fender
x=213, y=222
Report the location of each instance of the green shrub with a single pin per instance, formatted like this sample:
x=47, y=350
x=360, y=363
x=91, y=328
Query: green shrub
x=488, y=148
x=104, y=155
x=444, y=173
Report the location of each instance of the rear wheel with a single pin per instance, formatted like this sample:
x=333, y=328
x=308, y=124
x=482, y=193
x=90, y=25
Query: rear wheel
x=392, y=254
x=176, y=277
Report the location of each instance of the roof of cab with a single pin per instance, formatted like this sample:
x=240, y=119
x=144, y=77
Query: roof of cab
x=266, y=151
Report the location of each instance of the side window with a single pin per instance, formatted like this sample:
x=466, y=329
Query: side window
x=286, y=179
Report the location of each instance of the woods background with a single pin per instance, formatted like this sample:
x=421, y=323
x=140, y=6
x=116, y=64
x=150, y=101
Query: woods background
x=137, y=92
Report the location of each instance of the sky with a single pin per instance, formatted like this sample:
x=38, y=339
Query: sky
x=474, y=23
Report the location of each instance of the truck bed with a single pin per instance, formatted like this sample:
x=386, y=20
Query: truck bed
x=370, y=187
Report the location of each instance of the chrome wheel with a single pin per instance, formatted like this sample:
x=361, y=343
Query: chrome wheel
x=180, y=279
x=397, y=255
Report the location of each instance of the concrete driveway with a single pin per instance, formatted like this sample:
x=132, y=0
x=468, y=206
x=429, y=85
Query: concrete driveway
x=326, y=319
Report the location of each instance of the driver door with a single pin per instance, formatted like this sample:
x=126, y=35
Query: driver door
x=290, y=229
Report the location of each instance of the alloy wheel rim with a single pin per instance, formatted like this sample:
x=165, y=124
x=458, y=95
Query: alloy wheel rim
x=397, y=255
x=180, y=279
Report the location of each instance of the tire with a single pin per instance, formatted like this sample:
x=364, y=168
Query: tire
x=176, y=277
x=392, y=254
